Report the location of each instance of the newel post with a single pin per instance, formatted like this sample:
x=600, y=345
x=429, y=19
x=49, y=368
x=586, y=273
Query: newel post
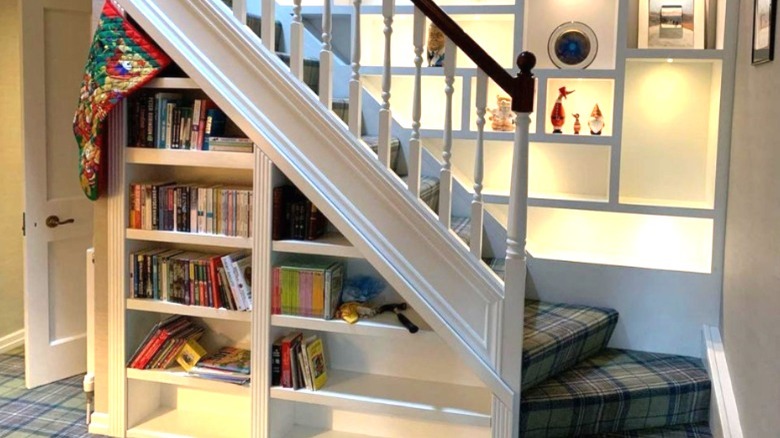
x=506, y=418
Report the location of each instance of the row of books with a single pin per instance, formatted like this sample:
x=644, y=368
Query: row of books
x=169, y=121
x=298, y=362
x=294, y=216
x=307, y=288
x=193, y=278
x=164, y=342
x=228, y=364
x=168, y=206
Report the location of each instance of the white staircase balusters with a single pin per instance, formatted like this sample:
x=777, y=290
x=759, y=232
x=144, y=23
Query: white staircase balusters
x=477, y=206
x=355, y=84
x=445, y=178
x=415, y=145
x=326, y=56
x=296, y=41
x=239, y=10
x=268, y=30
x=385, y=115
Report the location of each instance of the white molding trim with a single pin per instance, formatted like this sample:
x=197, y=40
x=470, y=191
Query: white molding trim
x=9, y=342
x=99, y=424
x=368, y=204
x=724, y=416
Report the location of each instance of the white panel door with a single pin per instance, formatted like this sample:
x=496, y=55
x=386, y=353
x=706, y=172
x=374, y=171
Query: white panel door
x=55, y=37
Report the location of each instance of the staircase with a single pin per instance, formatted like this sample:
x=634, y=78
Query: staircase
x=571, y=384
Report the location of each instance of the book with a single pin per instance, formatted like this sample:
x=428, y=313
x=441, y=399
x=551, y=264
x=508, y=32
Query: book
x=307, y=288
x=233, y=273
x=315, y=355
x=287, y=344
x=276, y=363
x=232, y=359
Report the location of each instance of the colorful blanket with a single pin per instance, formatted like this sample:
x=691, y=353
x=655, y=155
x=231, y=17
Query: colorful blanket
x=121, y=60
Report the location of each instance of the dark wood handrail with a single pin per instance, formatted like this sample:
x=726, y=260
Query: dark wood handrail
x=521, y=88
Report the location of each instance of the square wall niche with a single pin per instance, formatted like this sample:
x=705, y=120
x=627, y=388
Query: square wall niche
x=557, y=171
x=433, y=99
x=619, y=239
x=670, y=133
x=493, y=91
x=712, y=16
x=542, y=17
x=491, y=31
x=587, y=93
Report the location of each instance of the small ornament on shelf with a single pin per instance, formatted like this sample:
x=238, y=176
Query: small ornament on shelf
x=558, y=115
x=577, y=124
x=436, y=45
x=502, y=117
x=596, y=122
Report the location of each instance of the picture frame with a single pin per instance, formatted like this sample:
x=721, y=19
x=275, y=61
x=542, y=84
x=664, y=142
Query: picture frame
x=671, y=24
x=764, y=19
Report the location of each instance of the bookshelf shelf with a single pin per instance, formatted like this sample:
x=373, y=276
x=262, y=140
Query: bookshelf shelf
x=177, y=376
x=189, y=238
x=204, y=159
x=412, y=398
x=147, y=305
x=331, y=244
x=172, y=84
x=384, y=325
x=174, y=423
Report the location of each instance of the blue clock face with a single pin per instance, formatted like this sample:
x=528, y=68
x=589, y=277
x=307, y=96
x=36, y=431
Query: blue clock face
x=572, y=47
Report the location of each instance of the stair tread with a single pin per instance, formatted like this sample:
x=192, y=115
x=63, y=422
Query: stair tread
x=615, y=391
x=701, y=430
x=557, y=336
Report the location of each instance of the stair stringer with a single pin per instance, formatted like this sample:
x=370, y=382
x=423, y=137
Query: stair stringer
x=423, y=261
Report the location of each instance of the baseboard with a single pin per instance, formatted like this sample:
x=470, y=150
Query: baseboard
x=99, y=423
x=14, y=340
x=724, y=417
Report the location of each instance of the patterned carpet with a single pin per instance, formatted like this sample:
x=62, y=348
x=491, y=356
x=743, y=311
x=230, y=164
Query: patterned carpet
x=54, y=410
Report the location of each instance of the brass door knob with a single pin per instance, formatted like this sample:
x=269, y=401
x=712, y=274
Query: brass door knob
x=54, y=221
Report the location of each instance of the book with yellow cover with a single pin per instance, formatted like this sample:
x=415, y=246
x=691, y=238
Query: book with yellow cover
x=316, y=358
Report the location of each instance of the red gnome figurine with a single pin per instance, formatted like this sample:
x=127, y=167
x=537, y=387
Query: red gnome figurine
x=558, y=115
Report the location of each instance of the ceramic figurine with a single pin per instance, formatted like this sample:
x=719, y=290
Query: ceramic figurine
x=502, y=117
x=435, y=49
x=596, y=122
x=577, y=124
x=558, y=115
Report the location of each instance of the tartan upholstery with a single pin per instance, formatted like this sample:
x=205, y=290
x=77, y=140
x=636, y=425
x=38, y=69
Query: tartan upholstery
x=686, y=431
x=617, y=390
x=395, y=147
x=559, y=336
x=53, y=410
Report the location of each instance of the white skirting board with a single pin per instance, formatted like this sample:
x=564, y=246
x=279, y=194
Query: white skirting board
x=9, y=342
x=99, y=423
x=724, y=417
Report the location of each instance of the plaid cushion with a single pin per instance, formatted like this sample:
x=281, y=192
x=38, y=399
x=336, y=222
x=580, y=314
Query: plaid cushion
x=701, y=430
x=618, y=390
x=558, y=336
x=53, y=410
x=395, y=147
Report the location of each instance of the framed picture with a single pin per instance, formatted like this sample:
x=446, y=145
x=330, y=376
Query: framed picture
x=764, y=12
x=671, y=24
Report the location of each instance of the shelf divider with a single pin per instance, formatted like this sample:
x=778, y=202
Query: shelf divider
x=189, y=238
x=149, y=305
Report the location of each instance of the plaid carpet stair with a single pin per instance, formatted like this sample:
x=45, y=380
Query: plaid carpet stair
x=701, y=430
x=559, y=336
x=618, y=391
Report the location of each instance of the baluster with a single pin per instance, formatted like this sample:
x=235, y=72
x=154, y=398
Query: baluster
x=268, y=31
x=239, y=10
x=445, y=178
x=326, y=57
x=355, y=87
x=415, y=145
x=385, y=115
x=296, y=41
x=477, y=206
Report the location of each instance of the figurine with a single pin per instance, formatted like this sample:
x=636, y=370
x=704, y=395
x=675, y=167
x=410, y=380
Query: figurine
x=577, y=124
x=502, y=118
x=596, y=122
x=436, y=46
x=558, y=115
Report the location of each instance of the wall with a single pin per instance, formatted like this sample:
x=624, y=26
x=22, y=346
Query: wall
x=751, y=290
x=11, y=200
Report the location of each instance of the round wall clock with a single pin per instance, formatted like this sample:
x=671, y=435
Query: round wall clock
x=573, y=45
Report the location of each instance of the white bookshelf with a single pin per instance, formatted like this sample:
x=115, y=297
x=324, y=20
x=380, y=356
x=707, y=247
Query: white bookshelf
x=189, y=238
x=384, y=325
x=190, y=158
x=331, y=244
x=175, y=423
x=178, y=377
x=157, y=306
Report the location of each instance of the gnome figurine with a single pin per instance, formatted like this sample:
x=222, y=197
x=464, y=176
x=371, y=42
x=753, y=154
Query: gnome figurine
x=596, y=122
x=558, y=115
